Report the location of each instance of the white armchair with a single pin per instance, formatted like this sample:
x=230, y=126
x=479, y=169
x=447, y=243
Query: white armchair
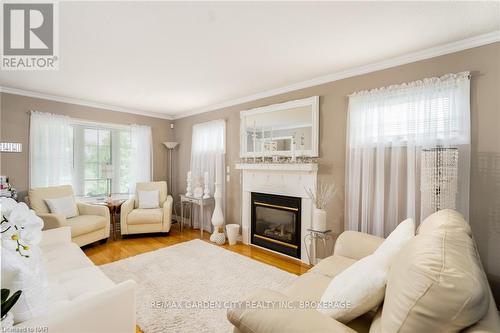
x=134, y=220
x=90, y=225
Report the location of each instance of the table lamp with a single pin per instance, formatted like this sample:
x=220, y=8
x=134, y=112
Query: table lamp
x=107, y=172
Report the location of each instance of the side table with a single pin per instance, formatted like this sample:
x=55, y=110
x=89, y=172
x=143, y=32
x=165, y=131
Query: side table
x=312, y=236
x=197, y=201
x=114, y=209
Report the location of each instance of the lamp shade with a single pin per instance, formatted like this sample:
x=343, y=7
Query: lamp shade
x=170, y=144
x=107, y=171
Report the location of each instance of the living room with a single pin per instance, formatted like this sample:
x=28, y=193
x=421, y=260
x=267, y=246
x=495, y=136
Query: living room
x=205, y=166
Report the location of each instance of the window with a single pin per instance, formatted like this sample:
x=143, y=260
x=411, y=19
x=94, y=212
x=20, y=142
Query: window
x=425, y=114
x=208, y=148
x=96, y=147
x=389, y=129
x=124, y=167
x=97, y=150
x=71, y=151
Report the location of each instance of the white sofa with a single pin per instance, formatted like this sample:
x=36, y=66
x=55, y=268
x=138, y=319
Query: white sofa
x=436, y=284
x=81, y=298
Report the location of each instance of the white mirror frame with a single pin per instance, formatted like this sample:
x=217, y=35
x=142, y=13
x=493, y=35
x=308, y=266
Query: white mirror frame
x=312, y=102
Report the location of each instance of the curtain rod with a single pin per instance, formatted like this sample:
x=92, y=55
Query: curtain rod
x=414, y=84
x=81, y=121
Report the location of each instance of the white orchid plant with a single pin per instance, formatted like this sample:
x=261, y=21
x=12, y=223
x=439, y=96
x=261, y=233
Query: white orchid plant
x=21, y=229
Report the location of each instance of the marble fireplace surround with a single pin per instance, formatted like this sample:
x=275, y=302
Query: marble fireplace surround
x=280, y=179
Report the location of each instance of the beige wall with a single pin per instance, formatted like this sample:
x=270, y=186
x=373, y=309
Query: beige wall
x=483, y=62
x=15, y=128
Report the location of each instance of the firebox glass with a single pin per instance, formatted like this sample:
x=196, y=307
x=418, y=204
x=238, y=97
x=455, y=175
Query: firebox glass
x=275, y=223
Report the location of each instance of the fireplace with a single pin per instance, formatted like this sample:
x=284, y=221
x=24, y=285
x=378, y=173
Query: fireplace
x=276, y=223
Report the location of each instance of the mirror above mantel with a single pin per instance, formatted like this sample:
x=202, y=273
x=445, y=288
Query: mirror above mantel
x=285, y=129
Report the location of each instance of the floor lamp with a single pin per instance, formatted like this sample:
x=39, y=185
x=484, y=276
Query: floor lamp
x=171, y=146
x=439, y=177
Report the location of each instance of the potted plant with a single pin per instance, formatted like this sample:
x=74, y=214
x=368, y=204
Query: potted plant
x=7, y=304
x=321, y=195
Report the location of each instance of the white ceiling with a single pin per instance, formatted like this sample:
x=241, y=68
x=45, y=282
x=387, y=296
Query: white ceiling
x=176, y=58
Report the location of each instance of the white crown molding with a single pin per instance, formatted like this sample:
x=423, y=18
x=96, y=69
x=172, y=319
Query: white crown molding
x=77, y=101
x=432, y=52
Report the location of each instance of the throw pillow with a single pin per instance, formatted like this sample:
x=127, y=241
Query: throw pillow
x=361, y=287
x=64, y=205
x=149, y=199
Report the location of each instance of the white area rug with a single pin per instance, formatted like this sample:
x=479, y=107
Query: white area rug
x=194, y=271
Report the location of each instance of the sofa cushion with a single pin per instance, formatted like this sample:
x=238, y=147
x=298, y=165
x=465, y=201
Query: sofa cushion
x=447, y=219
x=436, y=283
x=75, y=284
x=63, y=258
x=333, y=265
x=277, y=320
x=375, y=326
x=364, y=323
x=84, y=224
x=356, y=245
x=145, y=216
x=308, y=287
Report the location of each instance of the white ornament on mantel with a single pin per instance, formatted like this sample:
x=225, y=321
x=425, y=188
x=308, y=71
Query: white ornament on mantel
x=206, y=191
x=294, y=155
x=304, y=167
x=189, y=190
x=217, y=216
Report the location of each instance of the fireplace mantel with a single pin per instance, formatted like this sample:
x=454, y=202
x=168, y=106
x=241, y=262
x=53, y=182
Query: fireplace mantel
x=307, y=167
x=287, y=179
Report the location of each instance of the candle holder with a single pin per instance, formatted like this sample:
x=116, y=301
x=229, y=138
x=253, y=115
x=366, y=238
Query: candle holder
x=189, y=189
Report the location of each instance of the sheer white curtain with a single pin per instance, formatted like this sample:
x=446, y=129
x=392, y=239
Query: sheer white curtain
x=208, y=148
x=387, y=129
x=141, y=139
x=51, y=150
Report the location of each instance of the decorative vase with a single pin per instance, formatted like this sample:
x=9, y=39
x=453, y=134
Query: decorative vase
x=232, y=233
x=217, y=216
x=218, y=236
x=7, y=322
x=319, y=220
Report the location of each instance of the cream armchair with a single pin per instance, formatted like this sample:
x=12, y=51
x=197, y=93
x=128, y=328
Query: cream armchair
x=134, y=220
x=90, y=225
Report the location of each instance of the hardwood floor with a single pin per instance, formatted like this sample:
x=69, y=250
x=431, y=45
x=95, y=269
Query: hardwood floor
x=133, y=245
x=136, y=244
